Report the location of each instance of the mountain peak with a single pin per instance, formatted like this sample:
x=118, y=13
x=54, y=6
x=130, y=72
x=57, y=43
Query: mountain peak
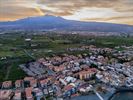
x=51, y=16
x=47, y=15
x=50, y=22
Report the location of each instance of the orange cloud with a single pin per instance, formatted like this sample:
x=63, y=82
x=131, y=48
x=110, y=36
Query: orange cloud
x=119, y=10
x=41, y=13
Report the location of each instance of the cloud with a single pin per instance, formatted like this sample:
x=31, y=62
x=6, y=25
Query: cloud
x=74, y=5
x=119, y=19
x=74, y=9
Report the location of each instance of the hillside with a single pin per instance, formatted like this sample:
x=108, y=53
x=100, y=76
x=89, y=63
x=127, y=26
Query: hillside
x=58, y=23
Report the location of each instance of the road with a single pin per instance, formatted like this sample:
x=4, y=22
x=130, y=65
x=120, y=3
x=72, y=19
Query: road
x=8, y=72
x=99, y=96
x=27, y=53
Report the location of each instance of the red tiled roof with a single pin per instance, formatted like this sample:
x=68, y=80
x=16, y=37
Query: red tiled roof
x=28, y=78
x=28, y=92
x=68, y=87
x=7, y=84
x=45, y=81
x=87, y=71
x=18, y=81
x=32, y=82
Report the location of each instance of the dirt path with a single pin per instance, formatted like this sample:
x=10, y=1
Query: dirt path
x=8, y=72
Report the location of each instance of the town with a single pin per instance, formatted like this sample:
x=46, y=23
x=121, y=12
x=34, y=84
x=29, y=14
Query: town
x=66, y=49
x=66, y=76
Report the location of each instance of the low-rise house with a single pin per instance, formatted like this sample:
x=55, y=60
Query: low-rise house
x=44, y=83
x=99, y=76
x=76, y=69
x=28, y=39
x=45, y=91
x=28, y=92
x=7, y=84
x=17, y=95
x=69, y=89
x=57, y=90
x=37, y=93
x=63, y=81
x=70, y=79
x=18, y=83
x=27, y=81
x=84, y=66
x=129, y=82
x=28, y=78
x=50, y=90
x=58, y=69
x=6, y=94
x=82, y=90
x=33, y=83
x=85, y=89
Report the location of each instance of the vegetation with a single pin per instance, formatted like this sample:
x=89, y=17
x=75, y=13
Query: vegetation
x=14, y=50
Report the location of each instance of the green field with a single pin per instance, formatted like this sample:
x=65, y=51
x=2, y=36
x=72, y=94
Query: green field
x=13, y=47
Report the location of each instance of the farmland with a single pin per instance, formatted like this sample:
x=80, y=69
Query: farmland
x=15, y=49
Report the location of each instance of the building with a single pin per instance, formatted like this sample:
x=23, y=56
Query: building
x=28, y=92
x=6, y=94
x=69, y=89
x=44, y=82
x=7, y=84
x=28, y=78
x=38, y=93
x=33, y=83
x=28, y=39
x=17, y=95
x=86, y=74
x=60, y=68
x=70, y=79
x=18, y=83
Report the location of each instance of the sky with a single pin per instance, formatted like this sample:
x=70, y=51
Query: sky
x=112, y=11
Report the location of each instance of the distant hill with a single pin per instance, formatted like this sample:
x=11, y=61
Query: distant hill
x=58, y=23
